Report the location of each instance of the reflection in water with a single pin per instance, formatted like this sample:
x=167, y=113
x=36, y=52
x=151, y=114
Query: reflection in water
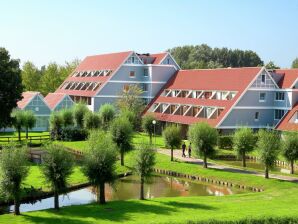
x=128, y=188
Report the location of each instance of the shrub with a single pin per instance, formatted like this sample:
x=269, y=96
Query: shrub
x=73, y=134
x=91, y=120
x=225, y=142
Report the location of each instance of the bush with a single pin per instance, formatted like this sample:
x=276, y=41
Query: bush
x=73, y=134
x=225, y=142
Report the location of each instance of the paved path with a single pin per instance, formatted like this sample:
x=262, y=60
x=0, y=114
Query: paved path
x=177, y=155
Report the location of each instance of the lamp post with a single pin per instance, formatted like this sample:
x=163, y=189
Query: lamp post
x=154, y=123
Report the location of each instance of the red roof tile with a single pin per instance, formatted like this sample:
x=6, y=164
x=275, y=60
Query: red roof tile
x=288, y=77
x=27, y=96
x=228, y=79
x=158, y=57
x=285, y=125
x=52, y=99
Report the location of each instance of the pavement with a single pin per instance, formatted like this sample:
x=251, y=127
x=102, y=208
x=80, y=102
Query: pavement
x=178, y=155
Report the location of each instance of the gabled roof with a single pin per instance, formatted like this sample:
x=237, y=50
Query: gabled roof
x=224, y=79
x=288, y=78
x=158, y=57
x=53, y=99
x=285, y=124
x=26, y=98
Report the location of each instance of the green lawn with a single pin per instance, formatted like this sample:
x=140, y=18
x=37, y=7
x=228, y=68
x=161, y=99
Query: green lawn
x=23, y=134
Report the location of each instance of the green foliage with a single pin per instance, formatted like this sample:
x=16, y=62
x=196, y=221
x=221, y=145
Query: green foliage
x=148, y=126
x=29, y=120
x=67, y=117
x=11, y=87
x=80, y=109
x=91, y=120
x=268, y=145
x=130, y=116
x=225, y=142
x=122, y=133
x=203, y=56
x=57, y=167
x=18, y=120
x=243, y=142
x=72, y=133
x=172, y=136
x=31, y=76
x=107, y=114
x=13, y=171
x=56, y=122
x=290, y=148
x=271, y=65
x=204, y=139
x=283, y=220
x=295, y=63
x=99, y=163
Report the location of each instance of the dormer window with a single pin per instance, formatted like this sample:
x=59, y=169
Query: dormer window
x=168, y=61
x=263, y=78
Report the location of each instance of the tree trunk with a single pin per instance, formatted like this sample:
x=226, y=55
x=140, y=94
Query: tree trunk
x=27, y=133
x=172, y=154
x=243, y=160
x=19, y=132
x=56, y=200
x=102, y=198
x=150, y=138
x=266, y=172
x=205, y=165
x=122, y=158
x=16, y=206
x=142, y=189
x=292, y=166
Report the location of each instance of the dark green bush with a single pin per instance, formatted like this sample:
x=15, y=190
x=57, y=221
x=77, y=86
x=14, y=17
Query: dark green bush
x=73, y=134
x=225, y=142
x=284, y=220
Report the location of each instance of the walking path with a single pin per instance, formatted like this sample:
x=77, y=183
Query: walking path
x=177, y=155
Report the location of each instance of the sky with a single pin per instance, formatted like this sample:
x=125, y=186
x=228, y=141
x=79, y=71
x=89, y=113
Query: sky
x=45, y=31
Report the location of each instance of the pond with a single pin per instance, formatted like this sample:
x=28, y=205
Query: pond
x=128, y=188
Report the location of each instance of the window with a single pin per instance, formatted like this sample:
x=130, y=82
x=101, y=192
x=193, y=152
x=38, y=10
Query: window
x=132, y=74
x=280, y=96
x=168, y=61
x=262, y=97
x=263, y=78
x=145, y=87
x=146, y=72
x=278, y=114
x=132, y=59
x=257, y=116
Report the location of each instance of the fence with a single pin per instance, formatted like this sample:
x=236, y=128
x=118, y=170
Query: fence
x=31, y=139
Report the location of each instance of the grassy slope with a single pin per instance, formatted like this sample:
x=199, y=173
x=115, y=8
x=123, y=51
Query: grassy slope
x=274, y=201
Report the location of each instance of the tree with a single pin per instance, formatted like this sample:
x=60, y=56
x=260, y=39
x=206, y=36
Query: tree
x=99, y=163
x=130, y=99
x=11, y=87
x=130, y=116
x=80, y=110
x=290, y=148
x=244, y=142
x=68, y=68
x=148, y=126
x=144, y=165
x=67, y=117
x=31, y=76
x=18, y=121
x=121, y=131
x=107, y=113
x=57, y=166
x=29, y=120
x=51, y=79
x=172, y=138
x=204, y=139
x=56, y=122
x=91, y=120
x=271, y=65
x=268, y=145
x=295, y=63
x=14, y=170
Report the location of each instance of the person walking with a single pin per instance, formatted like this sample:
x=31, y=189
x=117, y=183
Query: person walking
x=189, y=150
x=183, y=149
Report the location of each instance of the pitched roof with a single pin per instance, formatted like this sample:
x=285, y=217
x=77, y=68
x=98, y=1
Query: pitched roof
x=158, y=57
x=26, y=98
x=285, y=124
x=288, y=78
x=52, y=99
x=94, y=63
x=226, y=79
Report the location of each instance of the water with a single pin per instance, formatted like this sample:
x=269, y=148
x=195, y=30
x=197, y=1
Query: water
x=128, y=188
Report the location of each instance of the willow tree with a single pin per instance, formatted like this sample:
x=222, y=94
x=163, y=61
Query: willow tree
x=29, y=121
x=172, y=138
x=290, y=148
x=107, y=113
x=18, y=121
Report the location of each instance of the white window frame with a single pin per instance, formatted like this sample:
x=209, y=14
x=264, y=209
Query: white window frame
x=275, y=112
x=263, y=75
x=134, y=76
x=262, y=100
x=256, y=118
x=277, y=96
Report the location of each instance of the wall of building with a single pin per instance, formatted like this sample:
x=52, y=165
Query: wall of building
x=65, y=103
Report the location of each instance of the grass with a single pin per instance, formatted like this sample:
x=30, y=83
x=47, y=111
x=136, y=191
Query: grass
x=23, y=134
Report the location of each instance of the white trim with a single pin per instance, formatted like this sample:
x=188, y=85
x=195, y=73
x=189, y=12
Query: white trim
x=293, y=84
x=250, y=126
x=148, y=82
x=239, y=98
x=169, y=54
x=119, y=96
x=269, y=90
x=268, y=73
x=286, y=112
x=261, y=108
x=187, y=110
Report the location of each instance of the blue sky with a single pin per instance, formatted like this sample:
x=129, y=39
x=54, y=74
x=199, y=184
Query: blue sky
x=61, y=30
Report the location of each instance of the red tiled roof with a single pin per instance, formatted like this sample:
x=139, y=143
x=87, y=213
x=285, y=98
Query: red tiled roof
x=52, y=99
x=285, y=125
x=227, y=79
x=288, y=77
x=27, y=96
x=92, y=63
x=158, y=57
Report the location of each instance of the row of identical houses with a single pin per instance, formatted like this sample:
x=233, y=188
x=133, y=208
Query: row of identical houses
x=226, y=98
